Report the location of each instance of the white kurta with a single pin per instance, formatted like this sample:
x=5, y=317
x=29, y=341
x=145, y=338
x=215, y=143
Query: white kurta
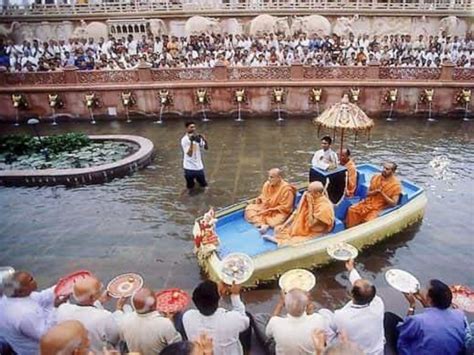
x=323, y=159
x=147, y=333
x=363, y=324
x=24, y=320
x=100, y=323
x=223, y=327
x=293, y=335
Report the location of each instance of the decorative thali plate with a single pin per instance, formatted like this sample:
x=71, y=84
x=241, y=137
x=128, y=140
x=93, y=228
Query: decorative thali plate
x=297, y=278
x=125, y=285
x=172, y=300
x=402, y=281
x=463, y=298
x=342, y=251
x=65, y=285
x=236, y=267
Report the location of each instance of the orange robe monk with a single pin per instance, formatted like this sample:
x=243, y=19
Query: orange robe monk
x=369, y=208
x=313, y=218
x=351, y=178
x=273, y=206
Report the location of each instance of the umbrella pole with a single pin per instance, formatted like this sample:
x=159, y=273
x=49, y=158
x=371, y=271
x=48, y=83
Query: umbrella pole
x=342, y=142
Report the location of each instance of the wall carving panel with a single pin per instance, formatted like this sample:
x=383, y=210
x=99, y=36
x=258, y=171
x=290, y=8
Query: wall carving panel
x=358, y=73
x=49, y=78
x=259, y=73
x=107, y=76
x=413, y=73
x=463, y=74
x=182, y=74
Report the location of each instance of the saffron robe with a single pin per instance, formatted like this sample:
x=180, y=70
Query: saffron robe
x=369, y=208
x=300, y=229
x=280, y=197
x=351, y=178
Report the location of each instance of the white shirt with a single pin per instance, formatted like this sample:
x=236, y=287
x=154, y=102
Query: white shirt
x=322, y=159
x=193, y=162
x=24, y=320
x=363, y=324
x=147, y=333
x=100, y=323
x=223, y=327
x=293, y=336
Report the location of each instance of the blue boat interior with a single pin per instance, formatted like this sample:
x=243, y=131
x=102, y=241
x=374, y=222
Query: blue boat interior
x=237, y=235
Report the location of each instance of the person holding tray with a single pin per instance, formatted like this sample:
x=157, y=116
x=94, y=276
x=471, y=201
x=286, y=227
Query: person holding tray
x=99, y=322
x=145, y=331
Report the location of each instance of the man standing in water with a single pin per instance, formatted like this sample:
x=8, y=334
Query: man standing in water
x=191, y=143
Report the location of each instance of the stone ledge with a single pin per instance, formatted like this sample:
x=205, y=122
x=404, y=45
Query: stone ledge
x=85, y=176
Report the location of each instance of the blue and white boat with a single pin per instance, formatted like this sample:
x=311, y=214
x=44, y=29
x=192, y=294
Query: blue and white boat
x=236, y=235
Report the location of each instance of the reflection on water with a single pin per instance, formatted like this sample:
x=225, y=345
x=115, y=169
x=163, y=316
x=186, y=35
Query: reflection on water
x=142, y=223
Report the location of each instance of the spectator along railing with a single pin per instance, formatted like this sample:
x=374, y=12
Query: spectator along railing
x=73, y=76
x=190, y=7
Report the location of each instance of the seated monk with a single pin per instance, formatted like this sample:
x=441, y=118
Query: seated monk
x=349, y=164
x=274, y=204
x=384, y=191
x=313, y=217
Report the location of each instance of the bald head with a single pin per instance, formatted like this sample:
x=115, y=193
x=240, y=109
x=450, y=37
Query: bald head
x=275, y=176
x=363, y=292
x=69, y=337
x=296, y=301
x=144, y=301
x=87, y=290
x=315, y=187
x=345, y=156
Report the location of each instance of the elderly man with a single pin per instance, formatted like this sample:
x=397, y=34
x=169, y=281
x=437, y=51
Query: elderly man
x=313, y=217
x=349, y=164
x=438, y=330
x=67, y=338
x=223, y=327
x=100, y=323
x=384, y=191
x=291, y=334
x=25, y=315
x=274, y=204
x=362, y=318
x=145, y=331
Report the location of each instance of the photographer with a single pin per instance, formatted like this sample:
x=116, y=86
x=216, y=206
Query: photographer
x=191, y=144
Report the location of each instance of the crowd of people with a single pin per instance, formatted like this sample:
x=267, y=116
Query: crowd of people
x=33, y=322
x=204, y=51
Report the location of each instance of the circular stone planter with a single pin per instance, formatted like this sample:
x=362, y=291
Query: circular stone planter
x=83, y=176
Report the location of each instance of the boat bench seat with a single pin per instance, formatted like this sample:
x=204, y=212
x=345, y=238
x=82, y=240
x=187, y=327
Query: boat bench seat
x=401, y=201
x=338, y=226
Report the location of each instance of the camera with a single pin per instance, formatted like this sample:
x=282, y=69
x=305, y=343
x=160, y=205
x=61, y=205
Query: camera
x=195, y=138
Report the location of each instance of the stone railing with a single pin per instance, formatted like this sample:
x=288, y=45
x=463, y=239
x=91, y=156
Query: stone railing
x=296, y=72
x=190, y=7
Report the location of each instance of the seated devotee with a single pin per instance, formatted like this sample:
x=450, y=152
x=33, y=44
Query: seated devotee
x=361, y=319
x=221, y=325
x=66, y=338
x=325, y=158
x=291, y=334
x=274, y=204
x=349, y=164
x=313, y=217
x=100, y=323
x=145, y=331
x=438, y=330
x=384, y=191
x=25, y=314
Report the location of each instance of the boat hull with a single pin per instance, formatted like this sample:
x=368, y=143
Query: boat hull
x=312, y=253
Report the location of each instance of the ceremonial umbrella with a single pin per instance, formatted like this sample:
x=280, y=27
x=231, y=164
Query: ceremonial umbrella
x=344, y=116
